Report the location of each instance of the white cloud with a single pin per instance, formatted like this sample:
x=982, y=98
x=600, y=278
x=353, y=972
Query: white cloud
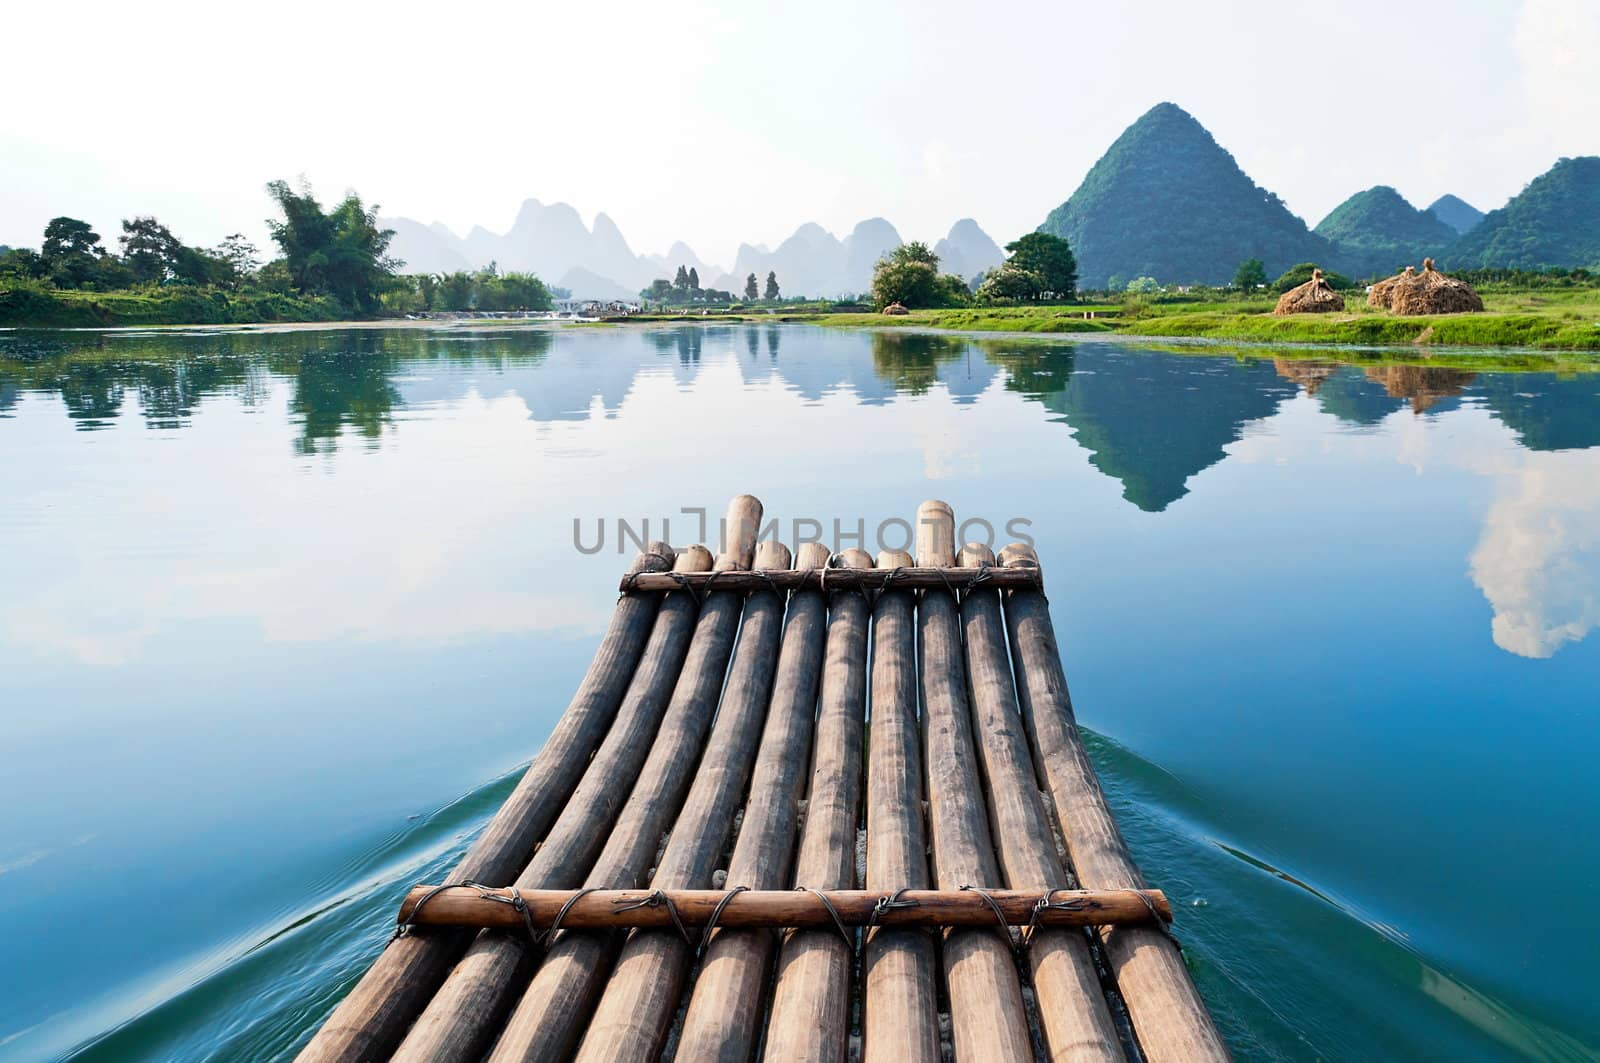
x=1538, y=562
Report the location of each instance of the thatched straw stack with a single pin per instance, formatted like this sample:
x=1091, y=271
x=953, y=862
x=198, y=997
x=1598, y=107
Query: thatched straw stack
x=1315, y=296
x=1382, y=293
x=895, y=310
x=1431, y=292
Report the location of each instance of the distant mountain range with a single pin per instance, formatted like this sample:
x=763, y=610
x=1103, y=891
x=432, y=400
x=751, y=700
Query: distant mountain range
x=1165, y=201
x=552, y=241
x=1377, y=231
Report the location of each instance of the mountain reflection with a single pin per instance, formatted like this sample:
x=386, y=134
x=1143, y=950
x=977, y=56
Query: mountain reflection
x=1149, y=420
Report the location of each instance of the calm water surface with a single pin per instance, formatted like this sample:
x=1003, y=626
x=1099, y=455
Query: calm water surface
x=281, y=613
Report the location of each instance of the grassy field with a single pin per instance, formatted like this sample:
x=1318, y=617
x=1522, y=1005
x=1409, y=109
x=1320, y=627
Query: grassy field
x=1548, y=319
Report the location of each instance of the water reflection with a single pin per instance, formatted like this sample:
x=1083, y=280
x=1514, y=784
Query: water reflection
x=1152, y=422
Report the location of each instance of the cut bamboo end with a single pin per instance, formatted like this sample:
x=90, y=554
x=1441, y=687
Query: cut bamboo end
x=739, y=531
x=936, y=534
x=953, y=577
x=779, y=909
x=695, y=558
x=811, y=557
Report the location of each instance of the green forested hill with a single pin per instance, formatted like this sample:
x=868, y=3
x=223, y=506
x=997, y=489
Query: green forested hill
x=1554, y=222
x=1377, y=231
x=1167, y=201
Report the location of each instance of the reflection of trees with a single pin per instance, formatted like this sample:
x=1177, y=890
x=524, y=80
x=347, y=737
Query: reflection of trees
x=911, y=360
x=752, y=342
x=342, y=379
x=684, y=342
x=774, y=338
x=1546, y=412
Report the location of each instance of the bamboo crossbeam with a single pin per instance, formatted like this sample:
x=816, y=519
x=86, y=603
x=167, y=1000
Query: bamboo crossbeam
x=773, y=909
x=918, y=577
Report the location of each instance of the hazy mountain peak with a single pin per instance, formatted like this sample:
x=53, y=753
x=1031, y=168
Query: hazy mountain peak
x=1456, y=213
x=968, y=251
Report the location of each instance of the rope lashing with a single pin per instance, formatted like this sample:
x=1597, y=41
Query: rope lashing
x=657, y=899
x=1000, y=917
x=888, y=904
x=509, y=896
x=716, y=914
x=555, y=924
x=633, y=577
x=1046, y=904
x=838, y=920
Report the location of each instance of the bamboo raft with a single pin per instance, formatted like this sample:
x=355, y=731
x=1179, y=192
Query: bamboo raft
x=810, y=808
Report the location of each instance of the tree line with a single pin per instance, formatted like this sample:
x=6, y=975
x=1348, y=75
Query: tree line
x=340, y=255
x=684, y=288
x=1038, y=268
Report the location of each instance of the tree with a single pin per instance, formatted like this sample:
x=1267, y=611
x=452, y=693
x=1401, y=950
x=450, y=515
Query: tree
x=660, y=290
x=342, y=254
x=1251, y=274
x=771, y=295
x=149, y=249
x=71, y=252
x=751, y=291
x=694, y=279
x=908, y=275
x=239, y=257
x=681, y=281
x=1144, y=286
x=1050, y=259
x=1008, y=283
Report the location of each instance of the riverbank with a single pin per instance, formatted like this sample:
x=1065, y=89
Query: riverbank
x=29, y=307
x=1558, y=321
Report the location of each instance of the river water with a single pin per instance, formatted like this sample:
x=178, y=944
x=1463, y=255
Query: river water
x=281, y=614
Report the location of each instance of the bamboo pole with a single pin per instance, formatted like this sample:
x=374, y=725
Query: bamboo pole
x=911, y=576
x=1075, y=1020
x=466, y=1012
x=900, y=1022
x=986, y=1010
x=1169, y=1018
x=370, y=1021
x=541, y=1026
x=810, y=1016
x=779, y=908
x=723, y=1017
x=637, y=1004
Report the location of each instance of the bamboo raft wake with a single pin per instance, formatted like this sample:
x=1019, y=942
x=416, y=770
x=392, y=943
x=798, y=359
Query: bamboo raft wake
x=808, y=808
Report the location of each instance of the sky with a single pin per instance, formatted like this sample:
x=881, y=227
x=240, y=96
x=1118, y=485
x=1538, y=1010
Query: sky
x=719, y=122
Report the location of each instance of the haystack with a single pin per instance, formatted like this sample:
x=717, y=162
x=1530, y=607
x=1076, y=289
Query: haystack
x=1315, y=296
x=1382, y=293
x=895, y=310
x=1431, y=292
